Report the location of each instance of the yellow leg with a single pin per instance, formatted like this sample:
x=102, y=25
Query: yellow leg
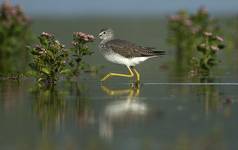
x=111, y=92
x=118, y=74
x=137, y=91
x=137, y=75
x=132, y=91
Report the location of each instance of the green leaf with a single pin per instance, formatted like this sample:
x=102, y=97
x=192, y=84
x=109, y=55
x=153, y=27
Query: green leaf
x=31, y=73
x=33, y=66
x=40, y=79
x=65, y=71
x=45, y=70
x=50, y=54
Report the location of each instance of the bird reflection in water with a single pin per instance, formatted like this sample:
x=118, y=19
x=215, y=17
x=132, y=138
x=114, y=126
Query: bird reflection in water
x=127, y=107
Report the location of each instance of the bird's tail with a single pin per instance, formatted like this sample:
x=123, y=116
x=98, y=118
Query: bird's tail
x=156, y=53
x=159, y=53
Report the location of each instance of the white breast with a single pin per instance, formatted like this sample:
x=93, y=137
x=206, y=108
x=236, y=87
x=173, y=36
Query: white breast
x=118, y=59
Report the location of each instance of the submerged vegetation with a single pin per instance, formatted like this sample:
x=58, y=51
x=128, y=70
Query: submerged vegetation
x=15, y=34
x=51, y=60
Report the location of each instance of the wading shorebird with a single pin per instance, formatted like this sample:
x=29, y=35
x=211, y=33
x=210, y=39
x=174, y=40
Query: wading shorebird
x=125, y=53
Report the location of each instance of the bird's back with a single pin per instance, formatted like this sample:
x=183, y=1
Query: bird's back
x=130, y=50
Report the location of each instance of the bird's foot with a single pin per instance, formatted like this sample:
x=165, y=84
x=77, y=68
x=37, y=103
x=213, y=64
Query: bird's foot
x=135, y=84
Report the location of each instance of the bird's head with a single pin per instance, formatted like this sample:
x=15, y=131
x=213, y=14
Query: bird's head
x=106, y=34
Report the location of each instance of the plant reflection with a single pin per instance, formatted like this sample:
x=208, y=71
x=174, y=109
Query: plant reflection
x=125, y=109
x=11, y=93
x=84, y=114
x=214, y=139
x=213, y=101
x=50, y=107
x=54, y=109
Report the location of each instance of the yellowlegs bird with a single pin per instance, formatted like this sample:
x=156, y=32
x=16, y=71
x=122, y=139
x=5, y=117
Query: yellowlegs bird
x=125, y=53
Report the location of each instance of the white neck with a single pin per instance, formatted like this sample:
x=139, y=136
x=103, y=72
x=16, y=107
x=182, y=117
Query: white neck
x=107, y=39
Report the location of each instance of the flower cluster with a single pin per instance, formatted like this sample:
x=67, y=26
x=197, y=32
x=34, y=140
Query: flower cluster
x=186, y=31
x=47, y=35
x=80, y=36
x=79, y=50
x=49, y=59
x=12, y=14
x=15, y=33
x=196, y=24
x=182, y=17
x=215, y=43
x=210, y=45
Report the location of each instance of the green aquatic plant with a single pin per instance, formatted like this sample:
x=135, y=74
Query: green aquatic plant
x=15, y=33
x=208, y=48
x=49, y=59
x=181, y=30
x=79, y=50
x=186, y=32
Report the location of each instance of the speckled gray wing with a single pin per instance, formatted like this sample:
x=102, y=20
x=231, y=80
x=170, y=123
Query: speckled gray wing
x=129, y=50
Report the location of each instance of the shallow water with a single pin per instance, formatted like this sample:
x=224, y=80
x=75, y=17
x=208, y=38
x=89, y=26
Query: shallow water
x=95, y=116
x=167, y=111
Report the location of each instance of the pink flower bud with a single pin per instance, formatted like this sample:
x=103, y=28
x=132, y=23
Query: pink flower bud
x=214, y=48
x=46, y=34
x=219, y=38
x=207, y=33
x=83, y=36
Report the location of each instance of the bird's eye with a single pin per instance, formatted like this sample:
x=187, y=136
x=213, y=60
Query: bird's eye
x=104, y=32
